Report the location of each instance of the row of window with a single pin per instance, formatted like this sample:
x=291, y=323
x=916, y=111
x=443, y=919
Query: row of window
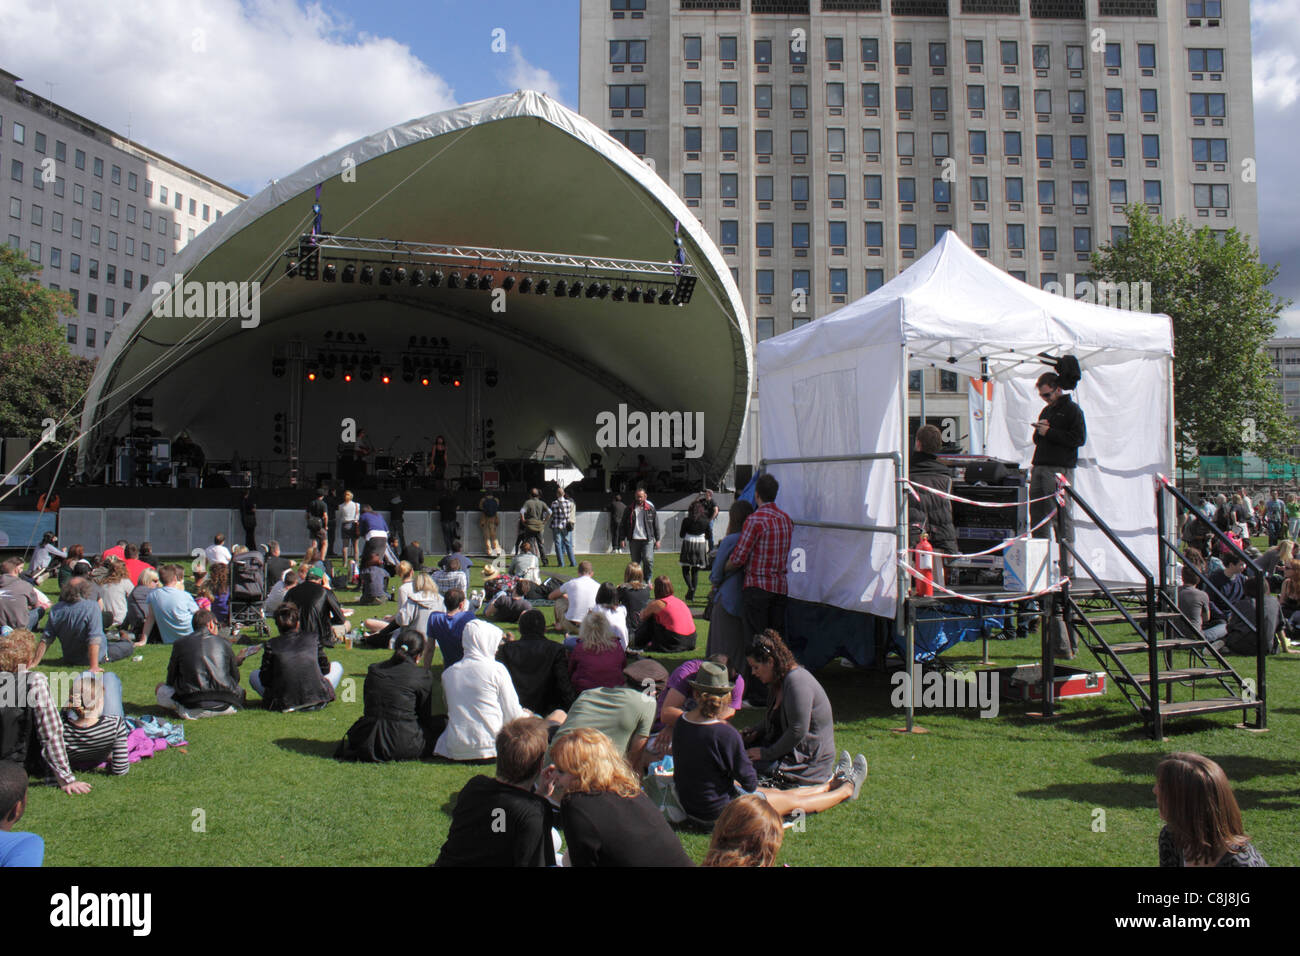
x=56, y=222
x=35, y=252
x=90, y=332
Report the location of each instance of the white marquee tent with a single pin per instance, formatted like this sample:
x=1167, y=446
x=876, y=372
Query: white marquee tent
x=838, y=387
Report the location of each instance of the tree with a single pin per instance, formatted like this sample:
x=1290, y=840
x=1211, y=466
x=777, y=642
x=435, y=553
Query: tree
x=1216, y=293
x=40, y=379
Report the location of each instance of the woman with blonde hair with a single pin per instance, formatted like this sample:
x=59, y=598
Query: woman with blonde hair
x=598, y=658
x=749, y=833
x=1202, y=821
x=92, y=734
x=633, y=593
x=114, y=590
x=607, y=819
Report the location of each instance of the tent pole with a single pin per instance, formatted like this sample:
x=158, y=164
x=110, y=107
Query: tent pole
x=986, y=400
x=902, y=626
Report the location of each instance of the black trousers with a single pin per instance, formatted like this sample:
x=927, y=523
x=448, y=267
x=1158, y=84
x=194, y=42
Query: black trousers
x=763, y=609
x=653, y=636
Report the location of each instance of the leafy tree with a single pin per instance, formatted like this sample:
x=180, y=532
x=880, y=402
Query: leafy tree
x=1216, y=293
x=39, y=377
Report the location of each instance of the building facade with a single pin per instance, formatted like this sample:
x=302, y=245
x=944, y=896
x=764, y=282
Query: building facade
x=826, y=144
x=99, y=214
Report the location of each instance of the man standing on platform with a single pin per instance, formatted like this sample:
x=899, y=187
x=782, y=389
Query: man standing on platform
x=617, y=509
x=397, y=521
x=1058, y=434
x=641, y=529
x=562, y=515
x=764, y=552
x=533, y=515
x=447, y=505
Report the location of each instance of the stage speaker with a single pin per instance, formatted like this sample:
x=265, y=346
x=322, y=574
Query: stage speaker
x=986, y=472
x=471, y=483
x=743, y=475
x=14, y=451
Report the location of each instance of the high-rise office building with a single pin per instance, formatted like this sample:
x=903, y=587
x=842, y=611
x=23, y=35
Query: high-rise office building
x=98, y=213
x=826, y=144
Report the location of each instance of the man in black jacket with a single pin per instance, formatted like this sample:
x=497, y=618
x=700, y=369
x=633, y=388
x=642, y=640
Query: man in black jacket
x=538, y=667
x=1058, y=434
x=295, y=673
x=203, y=674
x=318, y=607
x=931, y=514
x=276, y=564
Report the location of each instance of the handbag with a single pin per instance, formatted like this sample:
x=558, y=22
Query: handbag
x=662, y=790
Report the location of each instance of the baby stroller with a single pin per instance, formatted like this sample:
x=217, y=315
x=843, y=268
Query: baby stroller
x=248, y=591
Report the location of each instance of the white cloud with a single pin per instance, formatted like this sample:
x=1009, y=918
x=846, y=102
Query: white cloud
x=522, y=75
x=243, y=92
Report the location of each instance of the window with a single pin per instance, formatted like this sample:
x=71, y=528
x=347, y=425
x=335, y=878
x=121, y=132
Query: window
x=835, y=94
x=801, y=279
x=947, y=381
x=15, y=208
x=835, y=49
x=939, y=145
x=132, y=182
x=902, y=98
x=1043, y=101
x=147, y=220
x=763, y=96
x=1212, y=196
x=871, y=141
x=19, y=133
x=762, y=142
x=90, y=337
x=1011, y=144
x=728, y=139
x=1150, y=146
x=1074, y=58
x=1079, y=193
x=145, y=251
x=72, y=334
x=162, y=225
x=1079, y=148
x=1115, y=145
x=937, y=233
x=1078, y=102
x=38, y=215
x=1210, y=150
x=906, y=189
x=1150, y=101
x=1042, y=56
x=1010, y=53
x=113, y=207
x=1114, y=58
x=763, y=235
x=799, y=142
x=1044, y=148
x=159, y=257
x=979, y=142
x=838, y=233
x=939, y=99
x=205, y=212
x=93, y=270
x=692, y=139
x=764, y=281
x=799, y=235
x=16, y=170
x=1118, y=235
x=728, y=232
x=907, y=235
x=915, y=379
x=633, y=139
x=94, y=237
x=764, y=328
x=1047, y=238
x=836, y=186
x=975, y=52
x=1151, y=192
x=1015, y=189
x=763, y=188
x=979, y=235
x=871, y=187
x=798, y=97
x=727, y=93
x=906, y=144
x=799, y=56
x=1011, y=97
x=1205, y=60
x=1114, y=101
x=1082, y=239
x=627, y=51
x=1047, y=192
x=110, y=274
x=975, y=97
x=979, y=189
x=692, y=48
x=938, y=54
x=1204, y=8
x=74, y=264
x=79, y=159
x=875, y=279
x=902, y=53
x=870, y=50
x=874, y=234
x=691, y=189
x=56, y=222
x=162, y=190
x=1203, y=104
x=941, y=190
x=127, y=278
x=97, y=201
x=1147, y=56
x=98, y=167
x=56, y=257
x=729, y=185
x=130, y=245
x=835, y=140
x=1119, y=192
x=871, y=95
x=839, y=281
x=621, y=97
x=76, y=229
x=762, y=51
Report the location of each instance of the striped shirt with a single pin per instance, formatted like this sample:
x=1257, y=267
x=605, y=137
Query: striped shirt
x=764, y=549
x=103, y=742
x=48, y=725
x=561, y=512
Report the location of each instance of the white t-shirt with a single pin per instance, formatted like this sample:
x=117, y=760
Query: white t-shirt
x=349, y=511
x=617, y=617
x=581, y=592
x=217, y=554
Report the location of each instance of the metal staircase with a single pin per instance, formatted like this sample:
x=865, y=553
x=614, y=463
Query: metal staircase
x=1184, y=675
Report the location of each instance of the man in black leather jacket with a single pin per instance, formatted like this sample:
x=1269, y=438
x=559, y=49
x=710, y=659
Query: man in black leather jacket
x=203, y=674
x=318, y=607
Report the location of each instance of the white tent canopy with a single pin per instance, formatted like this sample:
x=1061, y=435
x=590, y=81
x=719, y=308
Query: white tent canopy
x=838, y=386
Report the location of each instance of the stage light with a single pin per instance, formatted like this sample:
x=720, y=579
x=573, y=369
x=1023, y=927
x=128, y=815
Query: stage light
x=471, y=281
x=666, y=297
x=561, y=288
x=408, y=371
x=385, y=276
x=455, y=382
x=490, y=378
x=425, y=381
x=592, y=289
x=446, y=344
x=603, y=291
x=543, y=285
x=327, y=372
x=508, y=283
x=366, y=374
x=386, y=376
x=352, y=336
x=649, y=297
x=575, y=289
x=435, y=278
x=620, y=293
x=485, y=282
x=634, y=295
x=361, y=337
x=347, y=377
x=453, y=281
x=291, y=269
x=444, y=377
x=417, y=277
x=399, y=275
x=330, y=272
x=328, y=336
x=311, y=375
x=367, y=275
x=350, y=272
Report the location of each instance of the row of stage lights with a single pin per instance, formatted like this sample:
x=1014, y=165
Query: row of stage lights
x=486, y=282
x=349, y=368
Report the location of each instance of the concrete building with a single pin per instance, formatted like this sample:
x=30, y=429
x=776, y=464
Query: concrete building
x=825, y=144
x=98, y=213
x=1284, y=353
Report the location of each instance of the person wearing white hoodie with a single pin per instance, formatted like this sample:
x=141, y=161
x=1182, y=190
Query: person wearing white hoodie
x=481, y=697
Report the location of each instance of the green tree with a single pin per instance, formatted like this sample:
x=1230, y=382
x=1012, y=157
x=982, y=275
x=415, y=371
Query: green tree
x=1216, y=293
x=39, y=377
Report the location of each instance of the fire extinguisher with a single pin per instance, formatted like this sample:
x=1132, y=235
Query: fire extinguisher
x=923, y=585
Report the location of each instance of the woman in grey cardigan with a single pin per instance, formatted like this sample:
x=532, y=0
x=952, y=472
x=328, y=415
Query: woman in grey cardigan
x=795, y=745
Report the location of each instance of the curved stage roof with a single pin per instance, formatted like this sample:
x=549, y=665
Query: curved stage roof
x=518, y=172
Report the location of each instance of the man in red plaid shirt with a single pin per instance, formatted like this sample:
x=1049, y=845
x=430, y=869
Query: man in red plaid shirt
x=764, y=551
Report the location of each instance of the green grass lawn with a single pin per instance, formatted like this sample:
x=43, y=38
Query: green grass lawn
x=261, y=788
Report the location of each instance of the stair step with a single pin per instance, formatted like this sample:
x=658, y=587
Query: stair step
x=1138, y=615
x=1140, y=647
x=1182, y=673
x=1207, y=705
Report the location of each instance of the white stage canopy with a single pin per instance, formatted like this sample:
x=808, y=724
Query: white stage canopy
x=838, y=387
